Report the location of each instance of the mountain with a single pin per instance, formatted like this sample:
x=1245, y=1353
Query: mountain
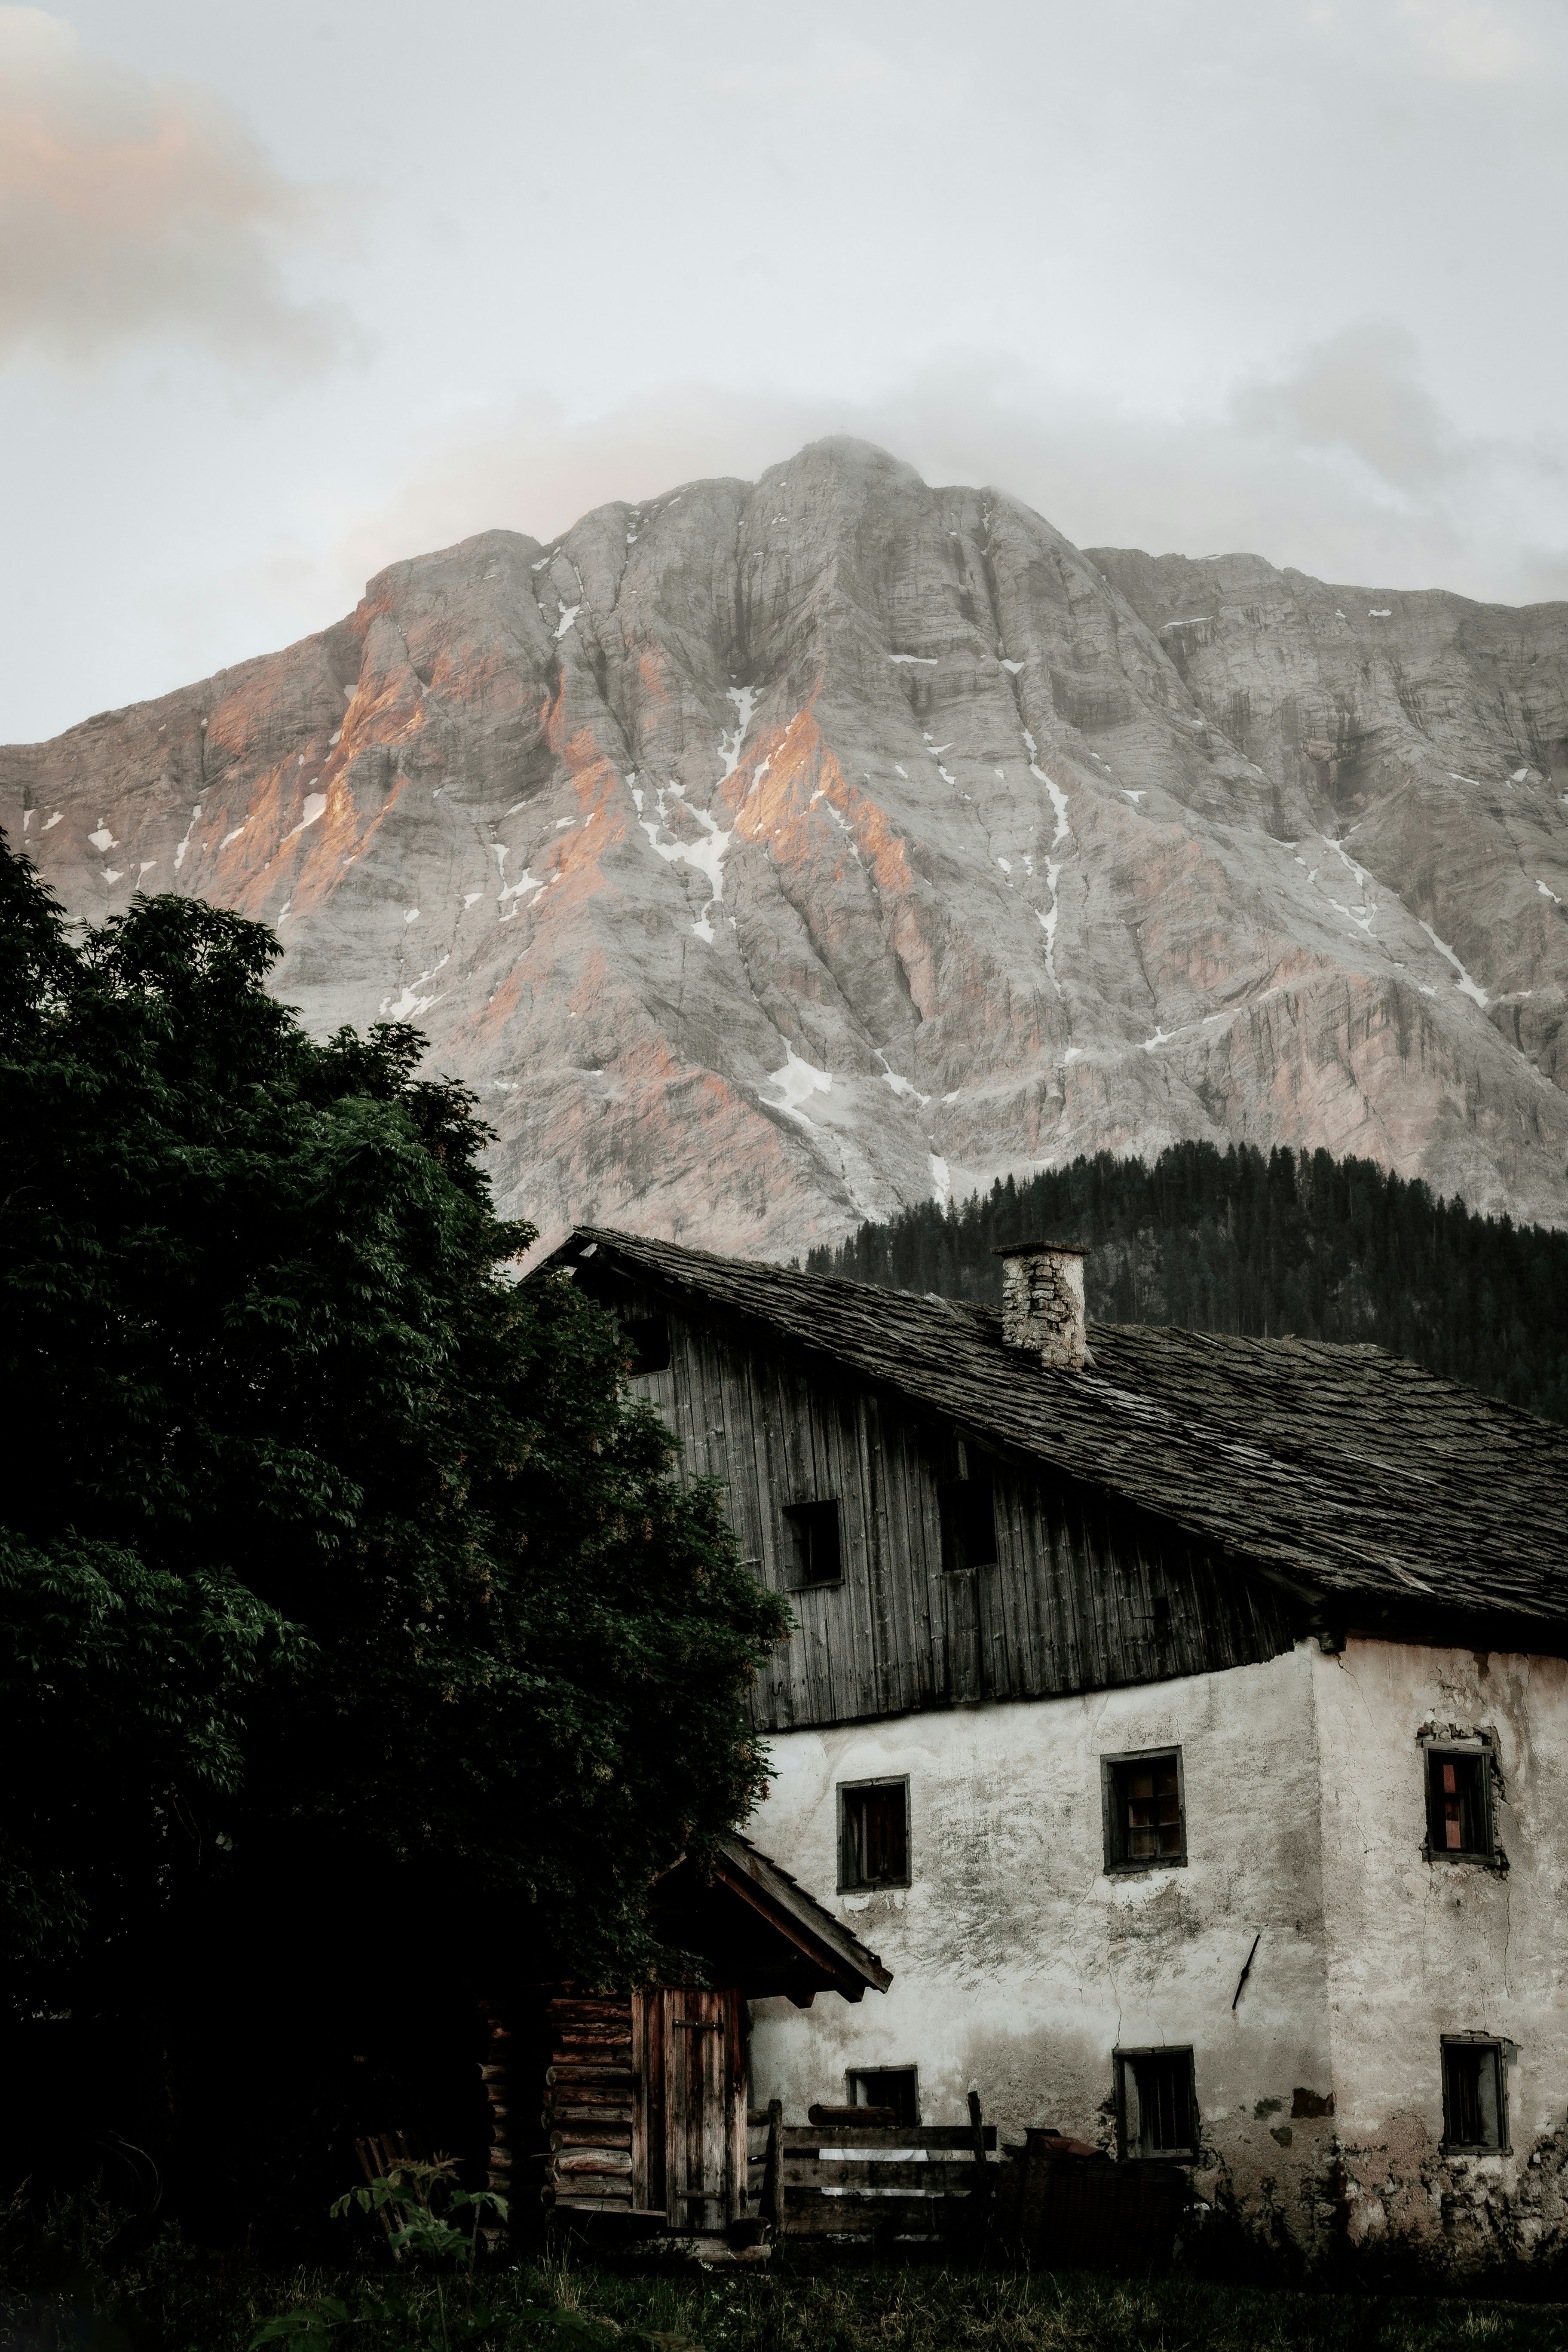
x=771, y=857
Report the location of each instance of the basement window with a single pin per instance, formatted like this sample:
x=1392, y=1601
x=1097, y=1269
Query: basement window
x=816, y=1555
x=1145, y=1815
x=887, y=2086
x=873, y=1833
x=1475, y=2096
x=1157, y=2104
x=649, y=1337
x=1458, y=1803
x=968, y=1522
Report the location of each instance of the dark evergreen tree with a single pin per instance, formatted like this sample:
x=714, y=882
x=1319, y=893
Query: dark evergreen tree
x=1233, y=1241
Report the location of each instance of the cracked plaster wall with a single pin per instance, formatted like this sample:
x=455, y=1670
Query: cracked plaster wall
x=1019, y=1965
x=1417, y=1948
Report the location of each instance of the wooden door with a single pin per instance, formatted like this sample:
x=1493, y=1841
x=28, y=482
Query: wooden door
x=704, y=2090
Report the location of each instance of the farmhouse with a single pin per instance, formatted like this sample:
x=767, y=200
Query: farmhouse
x=1183, y=1720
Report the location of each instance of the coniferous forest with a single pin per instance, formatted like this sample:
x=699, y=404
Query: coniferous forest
x=1271, y=1246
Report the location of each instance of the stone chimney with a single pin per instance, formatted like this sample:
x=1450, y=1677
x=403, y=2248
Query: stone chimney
x=1042, y=1303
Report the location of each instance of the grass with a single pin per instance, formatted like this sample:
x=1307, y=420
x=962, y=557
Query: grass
x=172, y=2301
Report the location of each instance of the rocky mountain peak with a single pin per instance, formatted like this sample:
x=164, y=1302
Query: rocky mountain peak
x=768, y=856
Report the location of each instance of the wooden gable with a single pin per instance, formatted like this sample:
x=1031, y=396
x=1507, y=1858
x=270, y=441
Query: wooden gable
x=1085, y=1591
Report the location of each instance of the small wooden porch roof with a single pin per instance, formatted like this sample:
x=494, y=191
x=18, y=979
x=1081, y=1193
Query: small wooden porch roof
x=759, y=1929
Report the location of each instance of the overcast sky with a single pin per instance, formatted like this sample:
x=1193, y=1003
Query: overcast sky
x=290, y=290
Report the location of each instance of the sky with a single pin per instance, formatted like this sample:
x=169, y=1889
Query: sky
x=289, y=292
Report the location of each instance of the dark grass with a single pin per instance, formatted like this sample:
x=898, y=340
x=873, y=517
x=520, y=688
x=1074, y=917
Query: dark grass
x=171, y=2300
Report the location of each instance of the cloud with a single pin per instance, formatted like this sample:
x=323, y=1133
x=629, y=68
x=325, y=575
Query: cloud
x=1308, y=469
x=1467, y=42
x=829, y=67
x=1340, y=465
x=131, y=207
x=1359, y=390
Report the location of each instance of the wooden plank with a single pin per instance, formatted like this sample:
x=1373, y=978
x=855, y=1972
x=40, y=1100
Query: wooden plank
x=861, y=1643
x=651, y=2098
x=589, y=2185
x=815, y=2135
x=922, y=1574
x=812, y=2215
x=576, y=2160
x=743, y=1505
x=594, y=2135
x=736, y=2094
x=637, y=2114
x=952, y=2172
x=559, y=2118
x=594, y=2094
x=570, y=2071
x=773, y=2203
x=1015, y=1585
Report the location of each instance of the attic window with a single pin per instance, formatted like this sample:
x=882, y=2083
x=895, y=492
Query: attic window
x=650, y=1336
x=1145, y=1815
x=1156, y=2104
x=1475, y=2095
x=1458, y=1803
x=873, y=1833
x=815, y=1553
x=968, y=1522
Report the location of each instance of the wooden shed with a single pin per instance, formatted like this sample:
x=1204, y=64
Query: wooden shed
x=645, y=2093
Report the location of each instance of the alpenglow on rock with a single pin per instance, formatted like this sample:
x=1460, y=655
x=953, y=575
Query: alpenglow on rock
x=769, y=857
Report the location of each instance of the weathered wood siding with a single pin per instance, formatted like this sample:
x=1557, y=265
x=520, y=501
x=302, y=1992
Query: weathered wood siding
x=1085, y=1594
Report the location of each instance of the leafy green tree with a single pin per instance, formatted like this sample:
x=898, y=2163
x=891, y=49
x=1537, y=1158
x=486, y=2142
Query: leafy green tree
x=346, y=1595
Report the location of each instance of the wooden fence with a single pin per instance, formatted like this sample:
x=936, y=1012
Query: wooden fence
x=836, y=2178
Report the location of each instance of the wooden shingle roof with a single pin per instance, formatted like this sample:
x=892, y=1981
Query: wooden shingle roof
x=1344, y=1469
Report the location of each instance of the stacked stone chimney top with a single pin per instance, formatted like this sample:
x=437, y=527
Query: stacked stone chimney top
x=1043, y=1302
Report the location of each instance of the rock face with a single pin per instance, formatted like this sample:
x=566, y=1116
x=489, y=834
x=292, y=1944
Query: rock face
x=770, y=856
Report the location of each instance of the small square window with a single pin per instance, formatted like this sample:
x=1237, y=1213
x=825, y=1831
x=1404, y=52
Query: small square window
x=1475, y=2095
x=1156, y=2104
x=968, y=1522
x=650, y=1336
x=874, y=1835
x=1146, y=1818
x=816, y=1554
x=888, y=2086
x=1458, y=1803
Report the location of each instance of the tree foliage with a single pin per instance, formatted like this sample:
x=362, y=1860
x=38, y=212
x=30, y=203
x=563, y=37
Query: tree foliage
x=339, y=1574
x=1237, y=1241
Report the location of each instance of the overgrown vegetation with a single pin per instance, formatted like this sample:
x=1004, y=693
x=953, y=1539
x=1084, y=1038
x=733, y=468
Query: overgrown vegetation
x=173, y=2303
x=348, y=1607
x=1235, y=1241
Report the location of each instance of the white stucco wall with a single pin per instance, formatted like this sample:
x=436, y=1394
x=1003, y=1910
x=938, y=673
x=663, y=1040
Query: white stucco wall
x=1019, y=1964
x=1416, y=1949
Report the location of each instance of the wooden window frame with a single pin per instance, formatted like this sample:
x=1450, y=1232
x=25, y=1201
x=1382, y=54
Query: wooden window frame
x=1118, y=1865
x=1123, y=2063
x=799, y=1537
x=1475, y=1750
x=853, y=2074
x=845, y=1789
x=1499, y=2051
